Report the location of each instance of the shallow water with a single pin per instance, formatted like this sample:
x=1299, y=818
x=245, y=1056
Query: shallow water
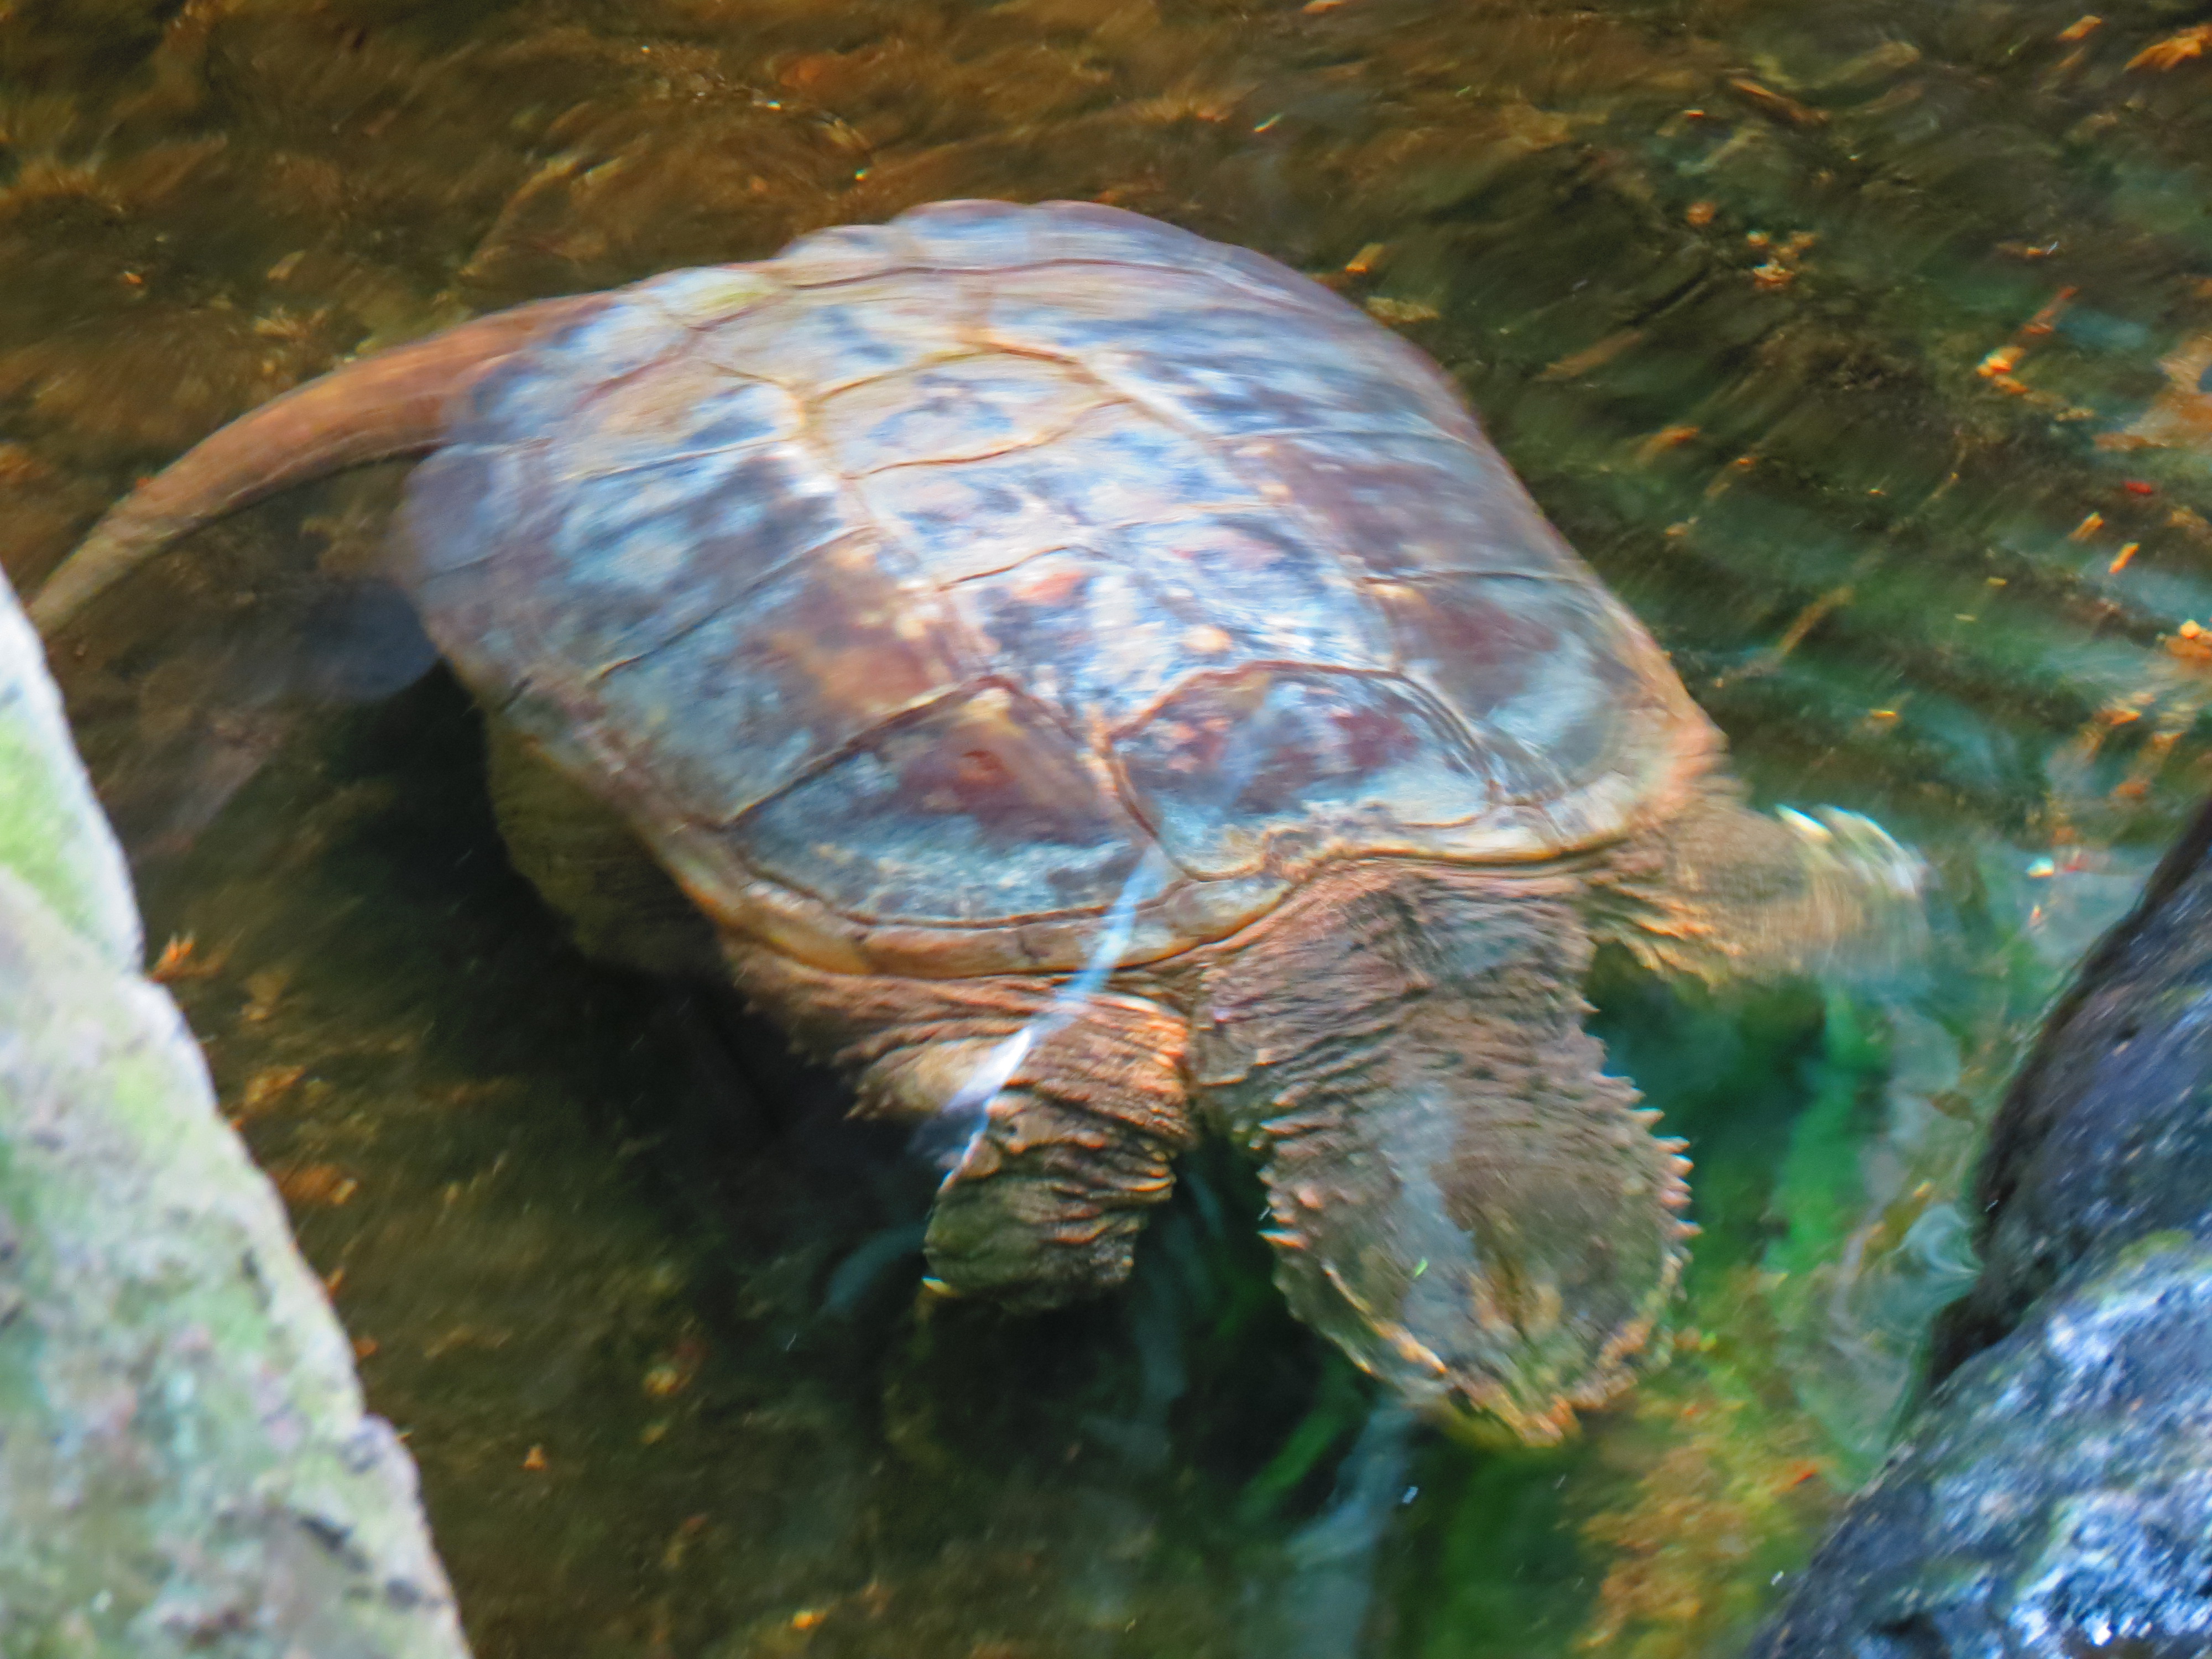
x=1855, y=344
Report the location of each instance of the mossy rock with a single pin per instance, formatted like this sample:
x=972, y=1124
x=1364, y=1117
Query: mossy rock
x=186, y=1464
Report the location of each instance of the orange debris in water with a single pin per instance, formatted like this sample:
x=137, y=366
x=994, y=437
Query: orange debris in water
x=1765, y=99
x=316, y=1184
x=1384, y=309
x=1666, y=437
x=179, y=960
x=1999, y=366
x=267, y=1086
x=675, y=1372
x=174, y=955
x=2192, y=643
x=2047, y=319
x=2175, y=49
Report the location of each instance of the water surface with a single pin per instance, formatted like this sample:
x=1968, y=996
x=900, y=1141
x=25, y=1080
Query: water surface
x=1857, y=343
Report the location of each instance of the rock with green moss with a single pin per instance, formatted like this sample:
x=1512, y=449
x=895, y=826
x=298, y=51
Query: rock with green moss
x=52, y=836
x=186, y=1464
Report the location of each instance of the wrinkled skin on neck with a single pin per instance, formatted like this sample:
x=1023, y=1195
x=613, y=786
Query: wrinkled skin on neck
x=1459, y=1196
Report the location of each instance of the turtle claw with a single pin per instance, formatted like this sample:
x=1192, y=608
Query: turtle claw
x=1724, y=892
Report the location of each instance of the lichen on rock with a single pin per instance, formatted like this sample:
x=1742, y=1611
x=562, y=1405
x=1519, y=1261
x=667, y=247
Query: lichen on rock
x=186, y=1465
x=51, y=833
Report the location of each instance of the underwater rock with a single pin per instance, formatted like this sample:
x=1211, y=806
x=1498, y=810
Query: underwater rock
x=2055, y=1497
x=186, y=1465
x=2107, y=1134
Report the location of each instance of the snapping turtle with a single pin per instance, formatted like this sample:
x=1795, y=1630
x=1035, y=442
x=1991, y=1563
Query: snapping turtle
x=1093, y=680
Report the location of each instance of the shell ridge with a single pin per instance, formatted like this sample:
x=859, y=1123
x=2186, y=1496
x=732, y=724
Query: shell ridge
x=738, y=597
x=671, y=457
x=1349, y=565
x=1145, y=593
x=949, y=586
x=1355, y=568
x=1117, y=394
x=654, y=292
x=927, y=265
x=1150, y=712
x=909, y=714
x=983, y=735
x=823, y=395
x=1423, y=578
x=603, y=389
x=1225, y=453
x=1038, y=441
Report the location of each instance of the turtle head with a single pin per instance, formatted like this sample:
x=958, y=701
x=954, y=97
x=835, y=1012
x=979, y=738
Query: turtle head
x=1519, y=1295
x=1459, y=1195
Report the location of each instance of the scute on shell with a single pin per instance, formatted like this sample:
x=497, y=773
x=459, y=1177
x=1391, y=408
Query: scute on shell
x=932, y=574
x=976, y=809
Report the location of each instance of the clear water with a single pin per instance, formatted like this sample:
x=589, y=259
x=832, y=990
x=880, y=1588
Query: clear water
x=1856, y=342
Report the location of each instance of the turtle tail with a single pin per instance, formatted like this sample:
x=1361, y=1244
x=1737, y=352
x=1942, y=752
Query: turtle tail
x=392, y=404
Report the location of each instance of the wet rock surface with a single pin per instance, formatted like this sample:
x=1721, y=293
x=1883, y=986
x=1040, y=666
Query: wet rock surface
x=2106, y=1135
x=2054, y=1496
x=186, y=1465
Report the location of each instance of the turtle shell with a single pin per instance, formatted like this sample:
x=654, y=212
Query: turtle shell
x=935, y=590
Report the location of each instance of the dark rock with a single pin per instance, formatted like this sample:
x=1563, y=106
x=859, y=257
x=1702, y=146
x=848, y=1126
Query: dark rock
x=2055, y=1497
x=2107, y=1134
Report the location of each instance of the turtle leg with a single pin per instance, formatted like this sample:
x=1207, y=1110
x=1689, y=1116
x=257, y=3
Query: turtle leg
x=1723, y=892
x=1074, y=1146
x=1463, y=1200
x=621, y=906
